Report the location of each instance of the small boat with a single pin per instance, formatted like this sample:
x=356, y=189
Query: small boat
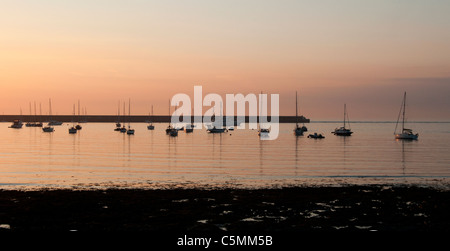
x=151, y=126
x=118, y=124
x=343, y=131
x=17, y=124
x=173, y=132
x=53, y=122
x=231, y=128
x=72, y=130
x=129, y=131
x=263, y=132
x=298, y=131
x=316, y=136
x=169, y=128
x=33, y=124
x=78, y=127
x=123, y=129
x=216, y=130
x=406, y=133
x=48, y=129
x=189, y=128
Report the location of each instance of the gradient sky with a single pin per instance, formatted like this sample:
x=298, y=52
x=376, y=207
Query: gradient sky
x=363, y=53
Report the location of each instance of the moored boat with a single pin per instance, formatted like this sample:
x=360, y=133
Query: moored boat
x=405, y=133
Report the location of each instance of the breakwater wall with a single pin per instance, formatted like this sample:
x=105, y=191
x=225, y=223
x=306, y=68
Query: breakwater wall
x=132, y=118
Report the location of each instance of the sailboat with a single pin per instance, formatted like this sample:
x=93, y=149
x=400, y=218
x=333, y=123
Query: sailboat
x=151, y=126
x=52, y=122
x=298, y=131
x=215, y=129
x=17, y=124
x=49, y=127
x=123, y=128
x=118, y=125
x=73, y=129
x=78, y=126
x=406, y=133
x=129, y=131
x=170, y=129
x=262, y=131
x=343, y=131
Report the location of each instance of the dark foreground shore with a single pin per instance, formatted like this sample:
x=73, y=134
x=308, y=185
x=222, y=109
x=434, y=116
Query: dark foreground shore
x=228, y=211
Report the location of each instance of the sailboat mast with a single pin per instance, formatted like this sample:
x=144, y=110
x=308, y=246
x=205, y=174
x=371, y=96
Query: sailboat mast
x=296, y=109
x=345, y=112
x=404, y=108
x=129, y=112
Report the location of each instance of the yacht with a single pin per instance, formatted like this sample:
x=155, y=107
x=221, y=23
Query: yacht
x=129, y=131
x=405, y=133
x=151, y=126
x=263, y=132
x=214, y=129
x=48, y=129
x=298, y=131
x=17, y=124
x=73, y=130
x=343, y=130
x=316, y=136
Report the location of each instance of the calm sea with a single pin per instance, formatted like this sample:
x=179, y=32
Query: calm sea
x=99, y=157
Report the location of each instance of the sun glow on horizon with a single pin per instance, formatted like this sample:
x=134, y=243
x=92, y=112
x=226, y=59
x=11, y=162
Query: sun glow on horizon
x=365, y=54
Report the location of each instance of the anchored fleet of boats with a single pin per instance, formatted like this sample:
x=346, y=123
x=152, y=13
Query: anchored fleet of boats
x=404, y=134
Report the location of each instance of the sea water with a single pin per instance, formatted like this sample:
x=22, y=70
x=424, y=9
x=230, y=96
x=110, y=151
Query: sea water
x=99, y=157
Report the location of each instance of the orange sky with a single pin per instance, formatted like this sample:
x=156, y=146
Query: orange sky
x=332, y=52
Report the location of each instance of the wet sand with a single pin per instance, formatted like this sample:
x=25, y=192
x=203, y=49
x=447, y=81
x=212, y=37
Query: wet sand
x=280, y=211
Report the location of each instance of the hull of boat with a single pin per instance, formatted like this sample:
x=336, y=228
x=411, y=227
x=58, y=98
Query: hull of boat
x=216, y=130
x=316, y=136
x=298, y=132
x=47, y=129
x=55, y=123
x=407, y=136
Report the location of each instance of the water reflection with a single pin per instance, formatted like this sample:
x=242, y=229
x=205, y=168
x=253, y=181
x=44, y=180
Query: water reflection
x=99, y=155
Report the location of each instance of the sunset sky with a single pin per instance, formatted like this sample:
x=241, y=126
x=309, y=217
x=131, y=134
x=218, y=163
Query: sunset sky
x=362, y=53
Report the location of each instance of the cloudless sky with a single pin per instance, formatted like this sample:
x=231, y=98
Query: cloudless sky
x=362, y=53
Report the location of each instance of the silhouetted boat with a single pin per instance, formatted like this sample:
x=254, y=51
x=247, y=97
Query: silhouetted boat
x=406, y=133
x=189, y=128
x=316, y=136
x=73, y=129
x=123, y=129
x=151, y=126
x=17, y=124
x=263, y=131
x=48, y=129
x=343, y=131
x=173, y=132
x=216, y=130
x=129, y=131
x=52, y=122
x=298, y=131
